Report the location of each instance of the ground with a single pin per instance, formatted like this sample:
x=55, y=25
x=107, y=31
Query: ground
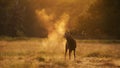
x=32, y=54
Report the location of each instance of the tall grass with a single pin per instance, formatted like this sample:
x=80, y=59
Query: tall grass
x=32, y=54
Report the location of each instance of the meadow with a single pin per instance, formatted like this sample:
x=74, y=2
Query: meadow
x=31, y=53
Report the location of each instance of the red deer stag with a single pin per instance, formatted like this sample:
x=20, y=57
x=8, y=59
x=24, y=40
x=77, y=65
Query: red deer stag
x=70, y=45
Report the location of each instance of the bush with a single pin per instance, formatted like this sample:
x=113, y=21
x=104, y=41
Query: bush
x=41, y=59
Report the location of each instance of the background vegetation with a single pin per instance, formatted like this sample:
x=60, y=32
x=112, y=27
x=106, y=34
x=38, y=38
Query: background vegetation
x=98, y=21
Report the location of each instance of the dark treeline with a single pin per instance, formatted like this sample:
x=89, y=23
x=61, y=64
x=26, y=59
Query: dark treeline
x=17, y=18
x=100, y=21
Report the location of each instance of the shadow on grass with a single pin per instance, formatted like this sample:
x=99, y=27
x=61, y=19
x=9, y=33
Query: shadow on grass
x=61, y=64
x=98, y=54
x=110, y=65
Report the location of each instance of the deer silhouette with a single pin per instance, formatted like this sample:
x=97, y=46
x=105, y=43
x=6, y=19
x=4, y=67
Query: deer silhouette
x=70, y=45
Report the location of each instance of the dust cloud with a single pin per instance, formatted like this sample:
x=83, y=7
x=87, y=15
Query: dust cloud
x=55, y=27
x=58, y=16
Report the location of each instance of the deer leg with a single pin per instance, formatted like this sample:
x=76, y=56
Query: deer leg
x=74, y=54
x=65, y=52
x=70, y=53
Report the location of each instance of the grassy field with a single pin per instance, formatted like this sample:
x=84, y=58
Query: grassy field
x=33, y=54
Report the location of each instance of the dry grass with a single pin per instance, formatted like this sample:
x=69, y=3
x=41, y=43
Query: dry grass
x=32, y=54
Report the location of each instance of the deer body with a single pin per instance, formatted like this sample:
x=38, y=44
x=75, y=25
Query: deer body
x=70, y=45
